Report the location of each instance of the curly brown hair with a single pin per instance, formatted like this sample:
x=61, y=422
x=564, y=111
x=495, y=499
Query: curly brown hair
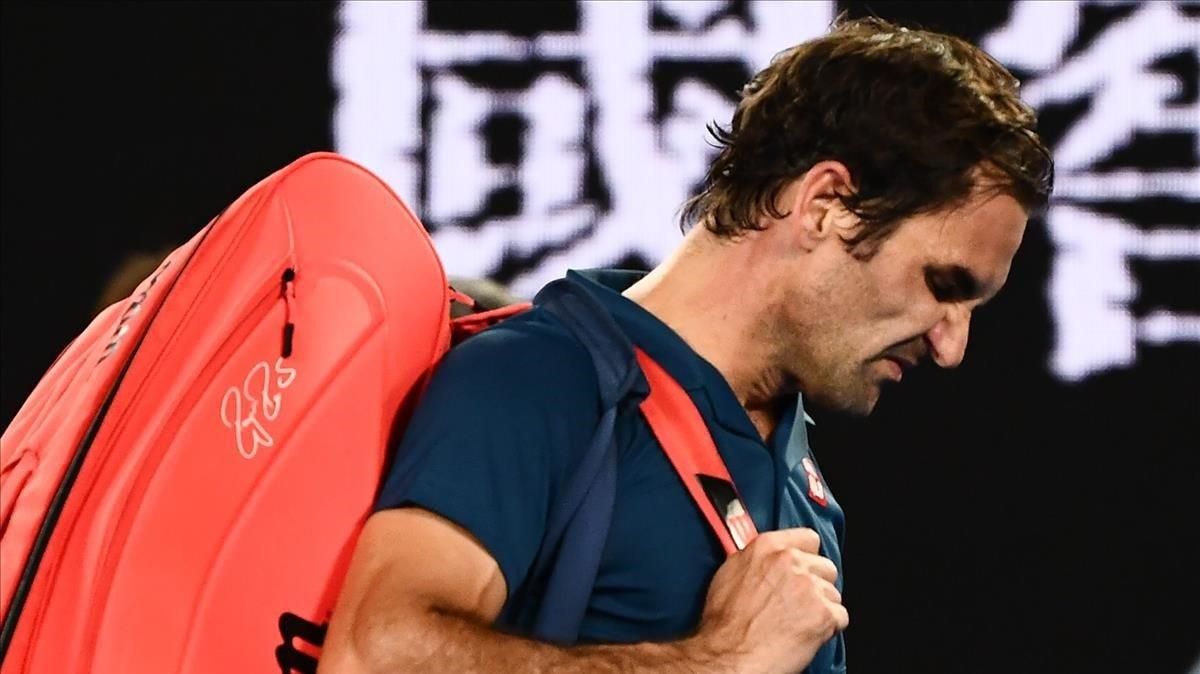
x=911, y=113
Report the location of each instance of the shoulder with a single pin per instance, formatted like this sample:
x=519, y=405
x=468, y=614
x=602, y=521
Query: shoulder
x=495, y=435
x=529, y=359
x=511, y=404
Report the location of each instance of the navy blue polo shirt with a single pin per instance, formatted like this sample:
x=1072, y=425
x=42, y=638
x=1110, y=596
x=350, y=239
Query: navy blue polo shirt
x=493, y=440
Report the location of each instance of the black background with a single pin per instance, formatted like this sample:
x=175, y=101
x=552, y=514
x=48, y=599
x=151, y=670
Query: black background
x=999, y=520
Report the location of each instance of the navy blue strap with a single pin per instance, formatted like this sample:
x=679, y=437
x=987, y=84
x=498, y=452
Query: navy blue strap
x=592, y=324
x=575, y=561
x=578, y=523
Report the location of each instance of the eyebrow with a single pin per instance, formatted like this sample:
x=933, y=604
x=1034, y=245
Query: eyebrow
x=953, y=283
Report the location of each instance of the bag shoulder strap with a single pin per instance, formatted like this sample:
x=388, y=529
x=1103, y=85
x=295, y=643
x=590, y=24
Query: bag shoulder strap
x=685, y=439
x=578, y=523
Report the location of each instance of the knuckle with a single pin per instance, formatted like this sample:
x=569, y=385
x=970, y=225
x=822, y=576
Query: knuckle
x=804, y=583
x=759, y=545
x=833, y=617
x=773, y=543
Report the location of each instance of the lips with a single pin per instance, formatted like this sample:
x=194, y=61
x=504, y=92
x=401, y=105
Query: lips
x=897, y=366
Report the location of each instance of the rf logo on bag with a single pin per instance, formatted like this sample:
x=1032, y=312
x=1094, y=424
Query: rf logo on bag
x=246, y=410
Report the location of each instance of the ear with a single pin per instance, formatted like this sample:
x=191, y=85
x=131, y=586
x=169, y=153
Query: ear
x=813, y=205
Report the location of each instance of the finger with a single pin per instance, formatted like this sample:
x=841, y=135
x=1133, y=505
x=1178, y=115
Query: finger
x=817, y=565
x=824, y=589
x=801, y=538
x=841, y=617
x=830, y=592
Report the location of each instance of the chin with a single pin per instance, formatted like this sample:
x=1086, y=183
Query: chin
x=853, y=403
x=862, y=402
x=864, y=408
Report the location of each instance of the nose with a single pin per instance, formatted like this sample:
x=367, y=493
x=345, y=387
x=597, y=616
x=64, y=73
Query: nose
x=948, y=337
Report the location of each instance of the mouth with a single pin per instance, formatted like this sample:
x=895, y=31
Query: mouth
x=896, y=367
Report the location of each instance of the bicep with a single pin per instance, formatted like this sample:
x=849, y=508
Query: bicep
x=425, y=558
x=490, y=443
x=409, y=562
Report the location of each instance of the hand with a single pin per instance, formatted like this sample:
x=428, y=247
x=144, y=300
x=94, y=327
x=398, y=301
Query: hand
x=771, y=606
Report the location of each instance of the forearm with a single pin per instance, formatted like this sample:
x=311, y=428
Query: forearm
x=441, y=642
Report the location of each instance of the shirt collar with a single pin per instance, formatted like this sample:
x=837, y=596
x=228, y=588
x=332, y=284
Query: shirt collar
x=643, y=328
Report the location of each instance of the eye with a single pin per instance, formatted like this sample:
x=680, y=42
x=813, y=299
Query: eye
x=951, y=284
x=942, y=285
x=939, y=286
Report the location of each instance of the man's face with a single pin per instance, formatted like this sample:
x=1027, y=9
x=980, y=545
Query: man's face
x=865, y=321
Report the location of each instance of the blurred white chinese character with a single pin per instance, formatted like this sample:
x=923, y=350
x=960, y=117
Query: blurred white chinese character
x=387, y=60
x=1091, y=286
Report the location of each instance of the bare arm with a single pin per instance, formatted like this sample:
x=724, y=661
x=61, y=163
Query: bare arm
x=421, y=595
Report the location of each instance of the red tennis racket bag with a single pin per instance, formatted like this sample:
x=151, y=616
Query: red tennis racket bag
x=183, y=489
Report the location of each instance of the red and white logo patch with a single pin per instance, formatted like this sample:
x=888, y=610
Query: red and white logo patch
x=741, y=527
x=816, y=488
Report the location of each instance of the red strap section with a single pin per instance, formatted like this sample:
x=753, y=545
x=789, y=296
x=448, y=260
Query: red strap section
x=461, y=298
x=465, y=326
x=681, y=431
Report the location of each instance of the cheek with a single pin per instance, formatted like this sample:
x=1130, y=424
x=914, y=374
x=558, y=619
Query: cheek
x=899, y=308
x=890, y=294
x=862, y=305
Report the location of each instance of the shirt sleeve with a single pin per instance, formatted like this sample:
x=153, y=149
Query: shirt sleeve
x=493, y=437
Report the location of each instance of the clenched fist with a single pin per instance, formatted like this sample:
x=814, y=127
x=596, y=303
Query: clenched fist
x=771, y=606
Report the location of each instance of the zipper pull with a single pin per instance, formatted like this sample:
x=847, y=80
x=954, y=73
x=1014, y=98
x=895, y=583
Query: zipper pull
x=289, y=294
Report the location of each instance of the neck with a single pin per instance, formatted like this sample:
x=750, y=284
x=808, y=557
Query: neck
x=715, y=295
